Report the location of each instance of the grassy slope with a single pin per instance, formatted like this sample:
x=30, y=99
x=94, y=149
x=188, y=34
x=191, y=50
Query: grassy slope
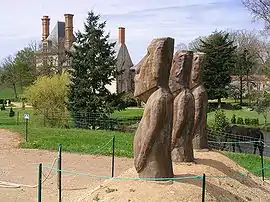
x=251, y=162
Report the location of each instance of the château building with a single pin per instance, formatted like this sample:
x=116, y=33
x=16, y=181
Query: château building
x=51, y=55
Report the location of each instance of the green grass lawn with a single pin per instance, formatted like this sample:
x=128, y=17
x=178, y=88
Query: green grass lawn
x=8, y=93
x=81, y=141
x=73, y=140
x=128, y=113
x=251, y=162
x=244, y=113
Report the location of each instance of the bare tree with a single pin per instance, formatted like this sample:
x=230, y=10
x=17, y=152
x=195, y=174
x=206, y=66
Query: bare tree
x=196, y=43
x=181, y=46
x=260, y=9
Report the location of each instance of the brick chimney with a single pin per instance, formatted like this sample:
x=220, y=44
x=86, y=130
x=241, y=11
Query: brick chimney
x=121, y=35
x=68, y=30
x=45, y=27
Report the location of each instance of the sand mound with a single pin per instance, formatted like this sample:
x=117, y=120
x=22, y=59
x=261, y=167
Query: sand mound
x=235, y=187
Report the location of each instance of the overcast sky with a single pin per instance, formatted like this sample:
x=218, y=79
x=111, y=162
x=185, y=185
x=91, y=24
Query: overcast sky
x=144, y=20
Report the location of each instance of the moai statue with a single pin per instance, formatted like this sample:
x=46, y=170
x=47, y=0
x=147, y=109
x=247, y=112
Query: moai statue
x=184, y=107
x=201, y=101
x=152, y=142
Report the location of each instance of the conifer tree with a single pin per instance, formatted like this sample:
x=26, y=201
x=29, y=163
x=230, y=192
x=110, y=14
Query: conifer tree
x=93, y=64
x=218, y=64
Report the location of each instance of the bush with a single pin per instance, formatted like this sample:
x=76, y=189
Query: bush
x=240, y=121
x=11, y=112
x=233, y=120
x=237, y=107
x=247, y=121
x=48, y=95
x=3, y=107
x=254, y=122
x=221, y=121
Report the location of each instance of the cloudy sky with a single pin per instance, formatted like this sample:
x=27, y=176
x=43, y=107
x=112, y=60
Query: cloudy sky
x=144, y=20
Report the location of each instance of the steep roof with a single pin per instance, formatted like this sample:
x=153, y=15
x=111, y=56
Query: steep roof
x=58, y=32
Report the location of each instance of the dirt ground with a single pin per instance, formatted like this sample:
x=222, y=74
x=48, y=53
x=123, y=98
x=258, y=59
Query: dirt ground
x=232, y=188
x=20, y=166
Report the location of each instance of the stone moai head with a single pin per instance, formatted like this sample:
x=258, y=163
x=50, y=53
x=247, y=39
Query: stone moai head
x=196, y=72
x=153, y=71
x=180, y=71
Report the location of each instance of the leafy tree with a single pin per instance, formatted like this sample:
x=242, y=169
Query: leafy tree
x=48, y=96
x=25, y=67
x=93, y=64
x=19, y=71
x=8, y=74
x=263, y=105
x=218, y=63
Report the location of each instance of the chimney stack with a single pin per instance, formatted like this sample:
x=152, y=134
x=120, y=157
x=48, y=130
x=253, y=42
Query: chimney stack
x=45, y=27
x=122, y=35
x=68, y=30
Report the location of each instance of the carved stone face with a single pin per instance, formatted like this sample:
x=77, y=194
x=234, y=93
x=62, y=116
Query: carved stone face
x=180, y=71
x=153, y=70
x=196, y=69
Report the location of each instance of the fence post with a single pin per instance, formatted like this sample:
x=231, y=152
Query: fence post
x=18, y=117
x=113, y=145
x=262, y=165
x=26, y=130
x=39, y=181
x=203, y=188
x=59, y=167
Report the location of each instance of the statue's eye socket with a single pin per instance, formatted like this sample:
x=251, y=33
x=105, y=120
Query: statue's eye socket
x=196, y=58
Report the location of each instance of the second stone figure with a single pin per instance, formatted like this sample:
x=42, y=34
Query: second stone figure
x=184, y=107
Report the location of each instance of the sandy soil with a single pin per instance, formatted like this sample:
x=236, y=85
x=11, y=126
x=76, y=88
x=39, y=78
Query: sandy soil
x=20, y=166
x=233, y=188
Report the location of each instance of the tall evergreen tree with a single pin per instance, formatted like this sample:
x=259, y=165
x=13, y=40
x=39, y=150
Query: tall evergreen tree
x=217, y=64
x=93, y=64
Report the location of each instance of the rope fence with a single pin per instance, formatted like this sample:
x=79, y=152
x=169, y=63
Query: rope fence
x=56, y=168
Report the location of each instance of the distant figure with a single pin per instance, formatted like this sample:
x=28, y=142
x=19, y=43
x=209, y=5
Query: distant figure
x=184, y=107
x=152, y=142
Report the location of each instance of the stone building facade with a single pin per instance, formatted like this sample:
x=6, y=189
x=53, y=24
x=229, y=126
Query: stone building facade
x=51, y=55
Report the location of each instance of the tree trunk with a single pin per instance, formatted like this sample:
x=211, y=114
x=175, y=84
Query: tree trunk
x=249, y=100
x=219, y=102
x=15, y=91
x=241, y=90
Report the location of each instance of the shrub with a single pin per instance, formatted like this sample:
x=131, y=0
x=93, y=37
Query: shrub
x=3, y=107
x=48, y=95
x=233, y=120
x=247, y=121
x=221, y=121
x=254, y=122
x=237, y=107
x=11, y=112
x=240, y=121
